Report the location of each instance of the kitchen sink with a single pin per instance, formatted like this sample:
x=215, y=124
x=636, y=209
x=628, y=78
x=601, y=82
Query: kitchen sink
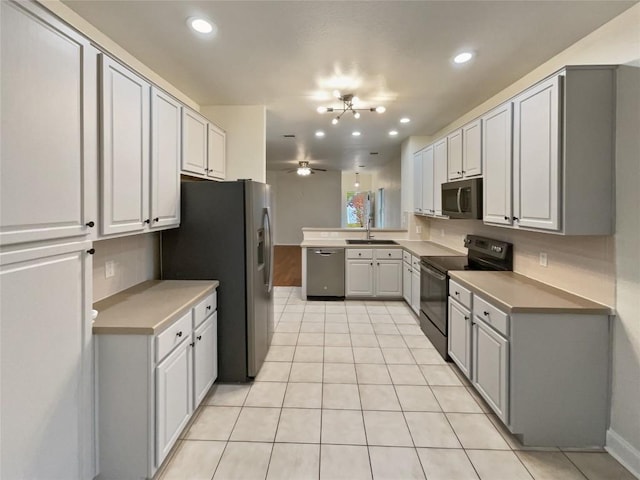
x=371, y=242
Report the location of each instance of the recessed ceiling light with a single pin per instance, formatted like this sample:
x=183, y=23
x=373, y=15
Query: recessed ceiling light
x=355, y=134
x=405, y=120
x=202, y=25
x=319, y=133
x=393, y=133
x=463, y=57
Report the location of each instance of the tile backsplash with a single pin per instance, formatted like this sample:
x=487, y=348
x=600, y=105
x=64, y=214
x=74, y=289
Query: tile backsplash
x=582, y=265
x=136, y=259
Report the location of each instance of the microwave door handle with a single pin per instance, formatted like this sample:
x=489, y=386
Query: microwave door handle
x=458, y=200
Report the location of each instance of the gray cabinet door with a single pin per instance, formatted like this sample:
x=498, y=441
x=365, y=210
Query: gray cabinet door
x=491, y=368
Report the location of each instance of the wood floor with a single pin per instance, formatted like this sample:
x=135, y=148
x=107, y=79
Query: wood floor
x=287, y=266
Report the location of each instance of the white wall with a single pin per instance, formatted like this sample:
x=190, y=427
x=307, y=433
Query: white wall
x=136, y=258
x=246, y=127
x=389, y=178
x=312, y=201
x=624, y=435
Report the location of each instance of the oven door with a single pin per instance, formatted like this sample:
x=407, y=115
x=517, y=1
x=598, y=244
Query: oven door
x=433, y=296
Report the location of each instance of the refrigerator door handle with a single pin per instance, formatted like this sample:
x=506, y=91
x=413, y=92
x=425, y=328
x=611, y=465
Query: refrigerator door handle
x=268, y=270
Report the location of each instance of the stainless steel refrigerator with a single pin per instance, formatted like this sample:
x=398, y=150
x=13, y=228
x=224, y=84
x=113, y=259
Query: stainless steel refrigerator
x=226, y=234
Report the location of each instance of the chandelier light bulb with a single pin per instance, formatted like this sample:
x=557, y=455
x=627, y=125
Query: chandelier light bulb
x=381, y=109
x=355, y=100
x=322, y=109
x=349, y=104
x=334, y=121
x=336, y=93
x=356, y=114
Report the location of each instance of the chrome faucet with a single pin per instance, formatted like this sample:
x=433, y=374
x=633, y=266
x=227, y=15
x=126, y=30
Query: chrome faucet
x=369, y=237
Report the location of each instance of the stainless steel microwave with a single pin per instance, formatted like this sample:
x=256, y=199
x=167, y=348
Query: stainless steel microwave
x=462, y=199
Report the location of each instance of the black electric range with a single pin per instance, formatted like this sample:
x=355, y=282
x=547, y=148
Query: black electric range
x=483, y=254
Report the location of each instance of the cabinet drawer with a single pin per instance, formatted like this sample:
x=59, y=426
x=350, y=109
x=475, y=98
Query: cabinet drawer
x=406, y=256
x=460, y=293
x=388, y=254
x=173, y=336
x=204, y=309
x=359, y=253
x=491, y=315
x=415, y=263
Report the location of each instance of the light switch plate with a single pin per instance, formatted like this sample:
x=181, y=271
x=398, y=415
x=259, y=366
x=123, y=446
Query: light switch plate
x=543, y=259
x=109, y=269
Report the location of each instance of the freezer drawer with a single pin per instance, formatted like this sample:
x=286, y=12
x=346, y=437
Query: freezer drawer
x=325, y=272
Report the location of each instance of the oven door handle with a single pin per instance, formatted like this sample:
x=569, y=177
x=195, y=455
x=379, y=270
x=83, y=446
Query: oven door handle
x=458, y=200
x=433, y=273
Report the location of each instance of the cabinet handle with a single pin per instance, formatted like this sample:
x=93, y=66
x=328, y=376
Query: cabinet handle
x=157, y=219
x=91, y=251
x=486, y=314
x=466, y=318
x=208, y=307
x=515, y=219
x=371, y=264
x=378, y=263
x=179, y=334
x=199, y=337
x=192, y=344
x=90, y=224
x=457, y=293
x=459, y=173
x=147, y=221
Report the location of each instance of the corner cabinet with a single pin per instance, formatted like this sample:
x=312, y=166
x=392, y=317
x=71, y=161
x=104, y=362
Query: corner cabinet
x=49, y=127
x=216, y=151
x=149, y=386
x=562, y=159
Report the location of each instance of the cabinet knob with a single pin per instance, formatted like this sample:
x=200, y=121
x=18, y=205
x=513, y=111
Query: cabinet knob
x=486, y=314
x=506, y=218
x=466, y=318
x=359, y=254
x=192, y=344
x=389, y=254
x=371, y=264
x=90, y=224
x=378, y=263
x=515, y=219
x=147, y=221
x=179, y=334
x=199, y=337
x=457, y=293
x=459, y=173
x=91, y=251
x=157, y=219
x=208, y=307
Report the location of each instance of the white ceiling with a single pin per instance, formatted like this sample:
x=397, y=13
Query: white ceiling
x=284, y=54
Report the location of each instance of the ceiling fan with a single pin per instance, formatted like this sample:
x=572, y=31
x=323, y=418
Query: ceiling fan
x=304, y=169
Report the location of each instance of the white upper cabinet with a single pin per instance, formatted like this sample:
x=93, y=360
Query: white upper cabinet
x=417, y=182
x=49, y=133
x=439, y=173
x=216, y=152
x=497, y=154
x=427, y=181
x=194, y=142
x=537, y=156
x=472, y=149
x=125, y=149
x=454, y=158
x=166, y=115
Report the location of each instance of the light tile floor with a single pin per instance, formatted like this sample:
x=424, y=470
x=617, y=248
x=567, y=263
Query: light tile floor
x=354, y=390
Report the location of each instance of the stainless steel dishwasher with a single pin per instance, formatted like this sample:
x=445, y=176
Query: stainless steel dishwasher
x=325, y=272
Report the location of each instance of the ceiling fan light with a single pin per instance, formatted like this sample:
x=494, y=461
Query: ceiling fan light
x=381, y=109
x=304, y=171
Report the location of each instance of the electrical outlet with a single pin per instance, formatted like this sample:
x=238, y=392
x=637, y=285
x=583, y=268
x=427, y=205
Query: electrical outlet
x=543, y=259
x=109, y=269
x=418, y=229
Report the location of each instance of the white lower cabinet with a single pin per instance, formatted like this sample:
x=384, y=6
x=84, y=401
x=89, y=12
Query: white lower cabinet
x=459, y=337
x=415, y=291
x=174, y=394
x=149, y=386
x=490, y=367
x=406, y=282
x=373, y=273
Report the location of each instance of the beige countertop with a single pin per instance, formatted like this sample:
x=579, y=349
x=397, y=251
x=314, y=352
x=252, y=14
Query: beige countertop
x=515, y=293
x=416, y=247
x=149, y=307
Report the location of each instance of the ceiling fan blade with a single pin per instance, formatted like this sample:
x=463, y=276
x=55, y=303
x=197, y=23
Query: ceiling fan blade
x=319, y=169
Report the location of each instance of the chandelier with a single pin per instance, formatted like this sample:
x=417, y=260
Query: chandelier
x=349, y=101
